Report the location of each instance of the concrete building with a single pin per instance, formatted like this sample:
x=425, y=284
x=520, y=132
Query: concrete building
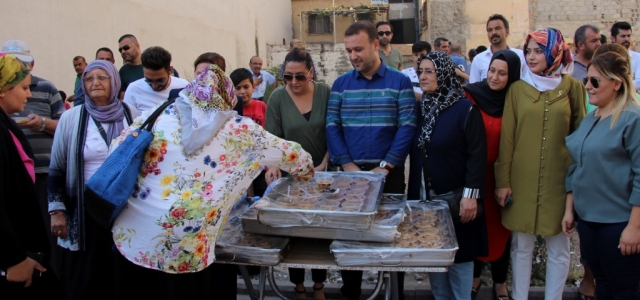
x=57, y=31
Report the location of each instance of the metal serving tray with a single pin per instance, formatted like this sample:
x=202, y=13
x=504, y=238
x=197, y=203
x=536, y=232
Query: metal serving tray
x=385, y=227
x=296, y=203
x=234, y=245
x=427, y=240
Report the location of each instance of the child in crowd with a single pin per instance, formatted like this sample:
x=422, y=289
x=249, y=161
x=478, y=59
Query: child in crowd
x=254, y=109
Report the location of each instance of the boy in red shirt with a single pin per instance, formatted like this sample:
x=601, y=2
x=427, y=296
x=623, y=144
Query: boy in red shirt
x=252, y=108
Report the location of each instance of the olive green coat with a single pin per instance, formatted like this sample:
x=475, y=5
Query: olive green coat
x=533, y=159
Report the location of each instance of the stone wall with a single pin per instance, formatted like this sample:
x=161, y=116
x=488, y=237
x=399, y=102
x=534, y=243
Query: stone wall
x=568, y=15
x=330, y=60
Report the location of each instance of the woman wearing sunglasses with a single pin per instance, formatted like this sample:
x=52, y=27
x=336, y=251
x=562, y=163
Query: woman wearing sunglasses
x=489, y=95
x=540, y=110
x=604, y=180
x=297, y=112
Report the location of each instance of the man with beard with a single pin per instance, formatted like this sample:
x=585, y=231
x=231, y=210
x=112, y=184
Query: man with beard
x=371, y=122
x=390, y=56
x=497, y=32
x=131, y=71
x=156, y=82
x=621, y=34
x=587, y=39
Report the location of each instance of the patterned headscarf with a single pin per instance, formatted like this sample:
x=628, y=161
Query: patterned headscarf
x=112, y=113
x=204, y=106
x=12, y=71
x=446, y=94
x=556, y=52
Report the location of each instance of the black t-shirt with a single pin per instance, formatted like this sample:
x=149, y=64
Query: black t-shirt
x=129, y=74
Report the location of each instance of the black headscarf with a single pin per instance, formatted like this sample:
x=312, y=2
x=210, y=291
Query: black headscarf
x=446, y=94
x=488, y=100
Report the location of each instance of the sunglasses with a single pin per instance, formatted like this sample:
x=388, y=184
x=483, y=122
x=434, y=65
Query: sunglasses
x=125, y=47
x=298, y=77
x=159, y=82
x=383, y=33
x=595, y=82
x=426, y=71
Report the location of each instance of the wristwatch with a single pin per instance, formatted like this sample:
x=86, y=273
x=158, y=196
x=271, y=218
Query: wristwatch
x=385, y=165
x=43, y=126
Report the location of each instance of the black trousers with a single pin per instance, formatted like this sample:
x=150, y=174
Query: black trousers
x=42, y=195
x=499, y=267
x=136, y=282
x=352, y=280
x=296, y=276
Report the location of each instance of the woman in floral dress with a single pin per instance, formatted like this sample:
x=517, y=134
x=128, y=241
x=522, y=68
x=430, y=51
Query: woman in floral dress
x=202, y=159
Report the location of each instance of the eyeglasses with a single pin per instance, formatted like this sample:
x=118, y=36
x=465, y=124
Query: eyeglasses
x=426, y=71
x=383, y=33
x=595, y=82
x=126, y=47
x=101, y=78
x=298, y=77
x=159, y=82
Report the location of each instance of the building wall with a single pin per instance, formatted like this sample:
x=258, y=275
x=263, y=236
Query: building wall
x=301, y=23
x=601, y=13
x=57, y=31
x=330, y=59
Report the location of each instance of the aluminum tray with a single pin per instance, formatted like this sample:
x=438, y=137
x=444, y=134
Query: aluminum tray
x=384, y=229
x=235, y=245
x=425, y=223
x=281, y=208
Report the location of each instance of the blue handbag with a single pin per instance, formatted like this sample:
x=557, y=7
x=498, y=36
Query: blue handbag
x=108, y=190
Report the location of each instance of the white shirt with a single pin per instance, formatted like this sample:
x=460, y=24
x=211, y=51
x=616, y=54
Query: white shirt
x=140, y=95
x=415, y=82
x=95, y=148
x=480, y=64
x=267, y=79
x=635, y=68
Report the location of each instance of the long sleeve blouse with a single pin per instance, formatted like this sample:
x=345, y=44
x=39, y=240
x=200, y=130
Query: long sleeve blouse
x=605, y=173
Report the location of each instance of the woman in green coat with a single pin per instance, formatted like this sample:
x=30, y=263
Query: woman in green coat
x=541, y=109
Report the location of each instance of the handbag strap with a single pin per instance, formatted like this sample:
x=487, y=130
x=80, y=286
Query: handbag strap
x=154, y=116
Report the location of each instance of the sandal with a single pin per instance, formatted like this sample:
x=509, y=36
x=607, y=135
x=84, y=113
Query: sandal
x=474, y=290
x=582, y=296
x=499, y=297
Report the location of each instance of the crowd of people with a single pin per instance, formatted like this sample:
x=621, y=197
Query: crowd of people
x=517, y=134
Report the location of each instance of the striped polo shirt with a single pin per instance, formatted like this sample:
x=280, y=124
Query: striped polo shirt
x=46, y=102
x=371, y=120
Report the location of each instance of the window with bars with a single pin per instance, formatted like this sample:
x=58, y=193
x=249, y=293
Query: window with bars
x=319, y=24
x=364, y=16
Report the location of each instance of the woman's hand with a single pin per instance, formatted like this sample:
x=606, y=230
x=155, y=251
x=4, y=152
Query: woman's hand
x=272, y=174
x=307, y=176
x=568, y=223
x=23, y=272
x=501, y=195
x=59, y=225
x=630, y=240
x=468, y=209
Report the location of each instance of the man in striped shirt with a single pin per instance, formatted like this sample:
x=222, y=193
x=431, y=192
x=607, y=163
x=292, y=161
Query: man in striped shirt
x=371, y=121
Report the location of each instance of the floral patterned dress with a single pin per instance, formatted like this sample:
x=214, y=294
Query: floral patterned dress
x=180, y=201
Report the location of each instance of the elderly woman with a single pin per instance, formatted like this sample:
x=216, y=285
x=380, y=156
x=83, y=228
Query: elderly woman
x=21, y=227
x=202, y=159
x=603, y=181
x=489, y=95
x=540, y=110
x=80, y=146
x=453, y=141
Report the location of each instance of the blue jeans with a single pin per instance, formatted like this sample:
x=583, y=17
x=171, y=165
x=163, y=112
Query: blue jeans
x=617, y=276
x=453, y=285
